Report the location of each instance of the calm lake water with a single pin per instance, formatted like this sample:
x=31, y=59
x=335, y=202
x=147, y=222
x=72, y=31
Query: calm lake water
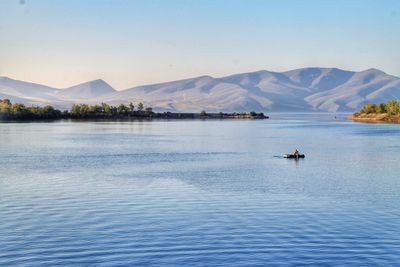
x=200, y=193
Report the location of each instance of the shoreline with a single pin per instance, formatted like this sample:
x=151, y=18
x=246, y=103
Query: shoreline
x=146, y=116
x=375, y=118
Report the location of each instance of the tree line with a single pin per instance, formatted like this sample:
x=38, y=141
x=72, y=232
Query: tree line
x=391, y=108
x=105, y=110
x=16, y=111
x=9, y=111
x=20, y=111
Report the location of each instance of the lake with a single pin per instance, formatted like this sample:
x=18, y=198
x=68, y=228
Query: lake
x=200, y=193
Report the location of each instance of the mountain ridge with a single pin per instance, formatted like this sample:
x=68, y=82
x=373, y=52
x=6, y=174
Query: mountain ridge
x=304, y=89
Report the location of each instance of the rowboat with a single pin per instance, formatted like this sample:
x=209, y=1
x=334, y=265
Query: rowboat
x=291, y=156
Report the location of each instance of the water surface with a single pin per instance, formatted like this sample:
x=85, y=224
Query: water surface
x=200, y=193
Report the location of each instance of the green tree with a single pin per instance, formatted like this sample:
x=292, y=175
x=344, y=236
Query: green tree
x=106, y=109
x=84, y=110
x=76, y=110
x=122, y=109
x=96, y=109
x=114, y=111
x=393, y=107
x=369, y=108
x=19, y=110
x=381, y=108
x=131, y=107
x=5, y=107
x=140, y=106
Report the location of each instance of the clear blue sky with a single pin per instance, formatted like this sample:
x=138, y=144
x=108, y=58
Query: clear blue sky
x=127, y=43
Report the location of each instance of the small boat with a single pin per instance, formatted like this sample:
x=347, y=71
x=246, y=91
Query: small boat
x=291, y=156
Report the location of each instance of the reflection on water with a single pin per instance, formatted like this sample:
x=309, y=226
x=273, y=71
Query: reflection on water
x=200, y=193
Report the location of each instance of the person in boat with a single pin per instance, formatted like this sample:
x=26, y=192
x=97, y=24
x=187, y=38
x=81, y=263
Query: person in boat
x=296, y=154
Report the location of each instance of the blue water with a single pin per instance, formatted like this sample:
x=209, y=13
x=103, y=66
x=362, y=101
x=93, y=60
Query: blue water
x=200, y=193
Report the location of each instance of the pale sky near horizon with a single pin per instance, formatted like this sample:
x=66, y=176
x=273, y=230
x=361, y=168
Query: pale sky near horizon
x=128, y=43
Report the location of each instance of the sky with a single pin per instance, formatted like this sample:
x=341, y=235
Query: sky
x=127, y=43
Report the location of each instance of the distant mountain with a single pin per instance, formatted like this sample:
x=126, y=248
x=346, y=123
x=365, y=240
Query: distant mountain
x=306, y=89
x=26, y=90
x=37, y=94
x=86, y=91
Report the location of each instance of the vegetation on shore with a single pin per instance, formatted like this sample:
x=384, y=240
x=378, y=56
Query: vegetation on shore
x=16, y=111
x=384, y=112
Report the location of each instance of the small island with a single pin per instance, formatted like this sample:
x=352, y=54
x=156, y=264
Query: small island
x=385, y=112
x=20, y=112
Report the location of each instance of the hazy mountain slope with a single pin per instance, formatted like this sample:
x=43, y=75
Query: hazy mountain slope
x=201, y=93
x=15, y=99
x=319, y=79
x=272, y=90
x=363, y=87
x=27, y=90
x=306, y=89
x=86, y=91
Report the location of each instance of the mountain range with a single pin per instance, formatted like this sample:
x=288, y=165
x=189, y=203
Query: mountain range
x=299, y=90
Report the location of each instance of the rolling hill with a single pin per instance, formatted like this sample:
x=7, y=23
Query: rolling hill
x=300, y=90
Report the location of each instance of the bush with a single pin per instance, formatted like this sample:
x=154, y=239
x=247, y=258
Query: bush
x=392, y=108
x=369, y=108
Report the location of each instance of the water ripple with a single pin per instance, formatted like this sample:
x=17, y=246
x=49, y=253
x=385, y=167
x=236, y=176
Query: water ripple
x=161, y=194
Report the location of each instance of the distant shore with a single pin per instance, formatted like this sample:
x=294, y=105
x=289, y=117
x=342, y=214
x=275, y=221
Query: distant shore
x=140, y=116
x=173, y=116
x=146, y=116
x=103, y=111
x=375, y=118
